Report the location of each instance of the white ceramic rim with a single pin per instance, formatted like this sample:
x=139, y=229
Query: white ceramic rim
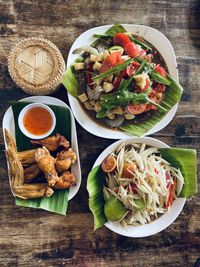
x=167, y=53
x=8, y=122
x=21, y=121
x=164, y=220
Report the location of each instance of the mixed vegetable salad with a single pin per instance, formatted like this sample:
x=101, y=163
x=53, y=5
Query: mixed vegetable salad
x=136, y=183
x=120, y=78
x=140, y=184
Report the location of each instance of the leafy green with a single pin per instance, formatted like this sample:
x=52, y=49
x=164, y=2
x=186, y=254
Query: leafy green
x=70, y=82
x=115, y=29
x=58, y=202
x=95, y=182
x=185, y=159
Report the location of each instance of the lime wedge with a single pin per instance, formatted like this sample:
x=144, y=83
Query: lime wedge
x=114, y=209
x=140, y=204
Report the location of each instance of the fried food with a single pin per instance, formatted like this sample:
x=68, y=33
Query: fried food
x=31, y=172
x=65, y=159
x=16, y=173
x=66, y=180
x=33, y=191
x=27, y=157
x=14, y=165
x=53, y=142
x=46, y=163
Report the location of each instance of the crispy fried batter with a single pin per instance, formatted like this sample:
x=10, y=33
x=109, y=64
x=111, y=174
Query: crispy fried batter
x=27, y=157
x=66, y=180
x=52, y=142
x=46, y=163
x=65, y=159
x=33, y=191
x=16, y=172
x=14, y=165
x=31, y=172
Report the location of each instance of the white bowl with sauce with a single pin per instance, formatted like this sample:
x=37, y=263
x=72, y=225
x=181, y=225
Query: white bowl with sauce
x=37, y=121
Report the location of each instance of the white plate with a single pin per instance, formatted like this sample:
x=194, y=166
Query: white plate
x=8, y=123
x=153, y=36
x=164, y=220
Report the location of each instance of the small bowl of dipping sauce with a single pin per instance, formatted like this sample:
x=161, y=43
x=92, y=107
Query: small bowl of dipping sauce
x=37, y=121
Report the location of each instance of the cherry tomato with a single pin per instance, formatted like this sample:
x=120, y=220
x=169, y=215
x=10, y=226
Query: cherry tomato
x=130, y=70
x=128, y=170
x=109, y=164
x=111, y=61
x=160, y=70
x=136, y=109
x=121, y=39
x=131, y=49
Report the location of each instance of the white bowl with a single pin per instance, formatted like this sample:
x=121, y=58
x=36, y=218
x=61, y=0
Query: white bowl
x=153, y=36
x=164, y=220
x=21, y=120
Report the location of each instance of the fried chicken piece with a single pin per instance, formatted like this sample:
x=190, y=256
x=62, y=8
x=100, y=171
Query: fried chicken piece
x=46, y=163
x=27, y=191
x=65, y=159
x=66, y=180
x=27, y=157
x=52, y=142
x=31, y=172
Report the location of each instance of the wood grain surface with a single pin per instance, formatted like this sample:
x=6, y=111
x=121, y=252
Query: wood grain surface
x=30, y=237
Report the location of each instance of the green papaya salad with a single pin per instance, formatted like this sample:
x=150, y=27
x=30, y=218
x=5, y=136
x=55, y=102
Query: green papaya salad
x=122, y=81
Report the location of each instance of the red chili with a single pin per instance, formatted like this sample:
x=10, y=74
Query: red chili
x=171, y=194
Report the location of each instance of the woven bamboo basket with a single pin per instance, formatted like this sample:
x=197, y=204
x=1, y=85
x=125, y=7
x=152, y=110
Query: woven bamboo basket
x=36, y=65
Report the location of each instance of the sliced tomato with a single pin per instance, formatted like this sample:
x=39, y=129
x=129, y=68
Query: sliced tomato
x=109, y=164
x=160, y=70
x=131, y=49
x=131, y=69
x=136, y=109
x=111, y=61
x=121, y=39
x=159, y=88
x=128, y=170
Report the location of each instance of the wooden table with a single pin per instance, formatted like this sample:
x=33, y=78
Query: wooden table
x=30, y=237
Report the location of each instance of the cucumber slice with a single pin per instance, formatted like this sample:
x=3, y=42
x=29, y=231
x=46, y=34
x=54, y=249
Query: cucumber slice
x=140, y=204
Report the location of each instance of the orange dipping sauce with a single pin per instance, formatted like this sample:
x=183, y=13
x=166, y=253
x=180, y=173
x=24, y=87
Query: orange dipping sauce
x=37, y=121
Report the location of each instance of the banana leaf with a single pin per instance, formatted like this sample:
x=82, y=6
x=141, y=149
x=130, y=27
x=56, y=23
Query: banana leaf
x=172, y=96
x=58, y=202
x=182, y=158
x=185, y=160
x=95, y=182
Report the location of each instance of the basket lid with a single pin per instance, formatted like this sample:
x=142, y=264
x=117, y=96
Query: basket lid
x=36, y=65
